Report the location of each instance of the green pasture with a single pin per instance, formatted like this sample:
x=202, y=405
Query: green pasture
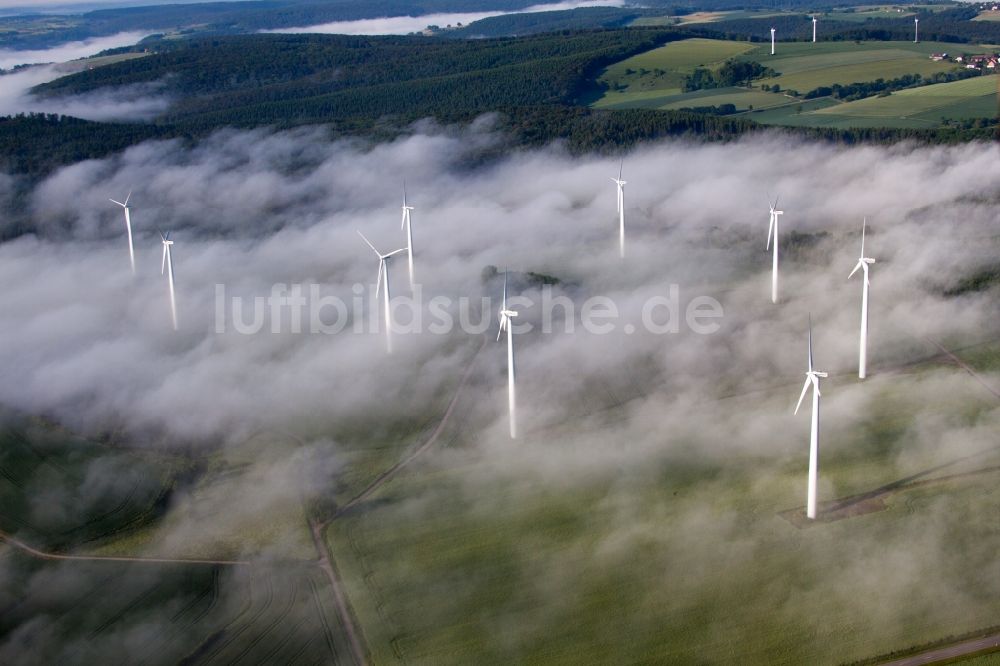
x=687, y=562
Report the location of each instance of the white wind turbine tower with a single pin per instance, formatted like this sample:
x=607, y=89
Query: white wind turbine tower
x=916, y=30
x=128, y=228
x=383, y=281
x=405, y=224
x=505, y=324
x=812, y=378
x=772, y=41
x=167, y=264
x=863, y=263
x=772, y=233
x=814, y=29
x=621, y=210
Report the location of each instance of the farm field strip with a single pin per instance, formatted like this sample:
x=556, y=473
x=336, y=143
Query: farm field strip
x=914, y=101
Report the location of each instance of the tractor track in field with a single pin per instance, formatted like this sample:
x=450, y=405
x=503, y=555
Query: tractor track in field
x=241, y=624
x=278, y=619
x=327, y=632
x=279, y=643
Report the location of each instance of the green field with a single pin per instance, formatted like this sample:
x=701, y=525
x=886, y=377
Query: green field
x=654, y=80
x=661, y=71
x=65, y=494
x=141, y=613
x=806, y=66
x=703, y=17
x=917, y=107
x=863, y=13
x=39, y=461
x=682, y=562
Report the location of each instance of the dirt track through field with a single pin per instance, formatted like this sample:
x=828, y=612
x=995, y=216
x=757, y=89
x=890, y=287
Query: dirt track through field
x=388, y=475
x=317, y=529
x=20, y=545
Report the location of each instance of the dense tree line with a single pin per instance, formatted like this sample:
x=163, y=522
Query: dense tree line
x=853, y=91
x=510, y=25
x=34, y=144
x=341, y=82
x=294, y=79
x=731, y=73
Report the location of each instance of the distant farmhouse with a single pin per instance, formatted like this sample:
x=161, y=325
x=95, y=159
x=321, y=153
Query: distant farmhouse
x=979, y=61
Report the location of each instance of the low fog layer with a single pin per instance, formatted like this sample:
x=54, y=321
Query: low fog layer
x=129, y=103
x=404, y=25
x=249, y=210
x=87, y=343
x=68, y=51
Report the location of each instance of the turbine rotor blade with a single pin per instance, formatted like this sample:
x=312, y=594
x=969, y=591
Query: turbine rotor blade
x=378, y=281
x=802, y=395
x=504, y=289
x=365, y=239
x=856, y=267
x=810, y=343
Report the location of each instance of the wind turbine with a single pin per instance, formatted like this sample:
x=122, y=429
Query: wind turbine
x=772, y=232
x=863, y=263
x=505, y=324
x=383, y=281
x=405, y=224
x=621, y=210
x=916, y=30
x=814, y=29
x=167, y=264
x=772, y=41
x=812, y=378
x=128, y=228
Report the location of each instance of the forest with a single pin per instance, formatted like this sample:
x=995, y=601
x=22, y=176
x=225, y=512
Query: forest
x=532, y=83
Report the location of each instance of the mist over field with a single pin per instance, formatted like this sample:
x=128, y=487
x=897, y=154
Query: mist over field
x=402, y=25
x=128, y=103
x=251, y=209
x=88, y=345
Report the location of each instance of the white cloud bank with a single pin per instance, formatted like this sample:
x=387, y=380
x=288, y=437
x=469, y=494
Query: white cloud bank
x=402, y=25
x=131, y=103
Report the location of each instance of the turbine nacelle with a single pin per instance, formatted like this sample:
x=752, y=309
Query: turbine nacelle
x=812, y=379
x=382, y=260
x=773, y=223
x=505, y=313
x=122, y=204
x=166, y=251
